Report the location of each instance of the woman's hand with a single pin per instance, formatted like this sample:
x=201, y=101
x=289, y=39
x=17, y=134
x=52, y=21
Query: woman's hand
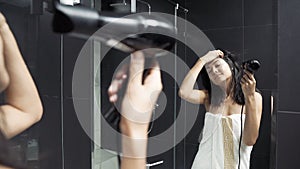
x=248, y=83
x=211, y=55
x=140, y=98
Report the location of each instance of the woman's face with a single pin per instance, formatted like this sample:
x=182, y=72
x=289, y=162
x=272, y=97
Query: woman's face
x=218, y=71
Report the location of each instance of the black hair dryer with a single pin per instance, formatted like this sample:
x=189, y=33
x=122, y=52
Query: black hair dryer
x=251, y=65
x=83, y=22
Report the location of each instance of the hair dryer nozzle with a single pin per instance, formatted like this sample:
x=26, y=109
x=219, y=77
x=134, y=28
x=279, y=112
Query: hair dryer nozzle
x=251, y=65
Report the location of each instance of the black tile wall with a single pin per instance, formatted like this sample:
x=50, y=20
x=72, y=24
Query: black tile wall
x=259, y=162
x=185, y=154
x=180, y=155
x=215, y=14
x=77, y=144
x=289, y=86
x=190, y=153
x=49, y=60
x=77, y=51
x=261, y=44
x=230, y=39
x=289, y=80
x=258, y=12
x=289, y=38
x=288, y=151
x=50, y=136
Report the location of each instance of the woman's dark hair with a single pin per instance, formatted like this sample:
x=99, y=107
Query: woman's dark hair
x=216, y=94
x=7, y=157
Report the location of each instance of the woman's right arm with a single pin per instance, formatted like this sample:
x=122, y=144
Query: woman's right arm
x=187, y=90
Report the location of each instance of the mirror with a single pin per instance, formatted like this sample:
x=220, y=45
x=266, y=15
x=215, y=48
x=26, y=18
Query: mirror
x=240, y=27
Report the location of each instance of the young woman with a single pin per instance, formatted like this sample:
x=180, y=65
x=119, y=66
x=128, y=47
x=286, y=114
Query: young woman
x=229, y=95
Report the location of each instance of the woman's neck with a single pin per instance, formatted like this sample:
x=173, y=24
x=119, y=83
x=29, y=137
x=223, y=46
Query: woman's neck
x=226, y=87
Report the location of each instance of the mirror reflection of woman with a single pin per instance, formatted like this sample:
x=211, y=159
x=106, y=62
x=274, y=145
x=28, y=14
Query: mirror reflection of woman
x=227, y=93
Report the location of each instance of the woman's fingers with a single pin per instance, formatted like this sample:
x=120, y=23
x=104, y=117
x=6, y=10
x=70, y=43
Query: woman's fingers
x=113, y=89
x=243, y=81
x=117, y=83
x=220, y=53
x=136, y=69
x=248, y=77
x=248, y=74
x=113, y=98
x=122, y=72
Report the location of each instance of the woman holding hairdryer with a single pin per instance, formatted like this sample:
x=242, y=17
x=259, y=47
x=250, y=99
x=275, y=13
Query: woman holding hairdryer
x=233, y=111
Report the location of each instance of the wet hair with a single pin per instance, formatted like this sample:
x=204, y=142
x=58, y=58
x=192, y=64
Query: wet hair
x=7, y=157
x=216, y=94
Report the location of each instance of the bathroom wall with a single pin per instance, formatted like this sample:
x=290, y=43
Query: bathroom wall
x=288, y=85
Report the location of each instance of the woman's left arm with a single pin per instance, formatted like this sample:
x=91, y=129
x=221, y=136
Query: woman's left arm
x=22, y=106
x=253, y=109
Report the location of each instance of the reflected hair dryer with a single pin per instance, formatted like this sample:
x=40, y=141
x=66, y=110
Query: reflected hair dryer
x=124, y=33
x=251, y=65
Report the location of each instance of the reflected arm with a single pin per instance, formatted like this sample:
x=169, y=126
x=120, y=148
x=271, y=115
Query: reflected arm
x=187, y=90
x=253, y=110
